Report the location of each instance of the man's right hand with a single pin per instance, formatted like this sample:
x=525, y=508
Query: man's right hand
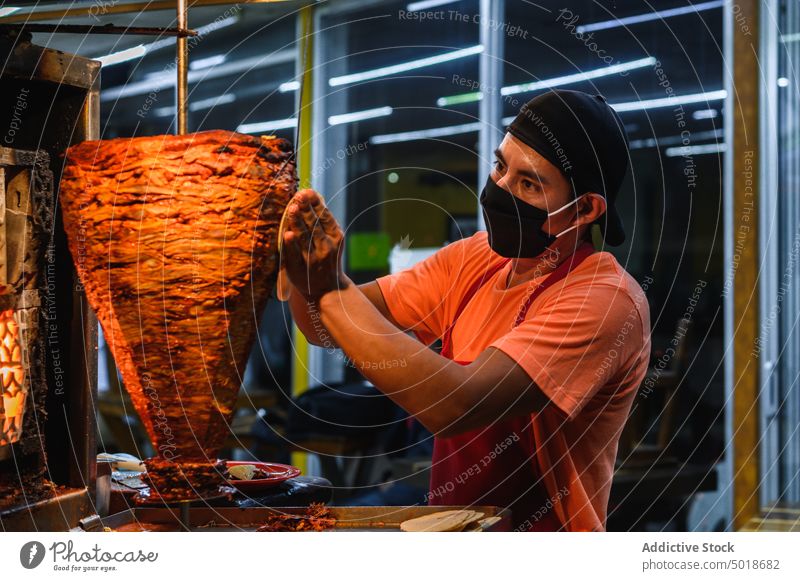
x=312, y=247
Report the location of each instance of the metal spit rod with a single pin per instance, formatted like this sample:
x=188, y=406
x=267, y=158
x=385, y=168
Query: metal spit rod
x=182, y=85
x=48, y=28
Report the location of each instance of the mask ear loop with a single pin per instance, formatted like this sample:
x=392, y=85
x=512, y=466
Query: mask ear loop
x=567, y=205
x=560, y=234
x=575, y=201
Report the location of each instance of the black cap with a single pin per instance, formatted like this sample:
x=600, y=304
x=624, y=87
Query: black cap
x=585, y=138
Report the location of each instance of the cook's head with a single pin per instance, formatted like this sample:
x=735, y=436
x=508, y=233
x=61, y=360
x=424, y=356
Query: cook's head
x=564, y=157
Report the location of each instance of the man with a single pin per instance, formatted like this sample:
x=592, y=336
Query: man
x=544, y=340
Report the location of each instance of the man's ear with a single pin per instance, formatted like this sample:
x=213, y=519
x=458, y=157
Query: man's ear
x=590, y=207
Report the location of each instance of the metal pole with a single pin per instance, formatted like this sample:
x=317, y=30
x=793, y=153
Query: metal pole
x=491, y=79
x=304, y=101
x=31, y=14
x=182, y=85
x=742, y=125
x=771, y=236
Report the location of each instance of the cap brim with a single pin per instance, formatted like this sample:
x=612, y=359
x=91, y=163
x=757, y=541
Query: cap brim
x=611, y=227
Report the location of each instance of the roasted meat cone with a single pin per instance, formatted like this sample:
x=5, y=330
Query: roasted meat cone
x=175, y=241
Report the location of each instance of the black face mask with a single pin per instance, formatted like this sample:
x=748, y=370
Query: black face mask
x=515, y=227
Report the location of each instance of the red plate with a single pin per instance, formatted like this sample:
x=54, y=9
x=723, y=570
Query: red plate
x=277, y=473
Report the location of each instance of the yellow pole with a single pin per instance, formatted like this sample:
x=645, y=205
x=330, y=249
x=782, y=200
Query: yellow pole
x=305, y=57
x=746, y=431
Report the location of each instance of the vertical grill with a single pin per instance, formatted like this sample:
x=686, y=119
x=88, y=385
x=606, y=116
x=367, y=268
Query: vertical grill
x=48, y=333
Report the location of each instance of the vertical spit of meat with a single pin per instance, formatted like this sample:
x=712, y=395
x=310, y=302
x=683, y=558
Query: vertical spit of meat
x=175, y=241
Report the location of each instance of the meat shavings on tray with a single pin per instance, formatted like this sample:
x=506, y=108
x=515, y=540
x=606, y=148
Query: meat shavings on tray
x=317, y=518
x=170, y=480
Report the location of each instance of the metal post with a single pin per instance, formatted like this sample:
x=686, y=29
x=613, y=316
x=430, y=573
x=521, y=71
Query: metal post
x=789, y=171
x=491, y=79
x=304, y=100
x=182, y=84
x=741, y=287
x=330, y=60
x=728, y=271
x=770, y=231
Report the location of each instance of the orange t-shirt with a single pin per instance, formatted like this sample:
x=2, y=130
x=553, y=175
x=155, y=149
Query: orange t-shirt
x=585, y=342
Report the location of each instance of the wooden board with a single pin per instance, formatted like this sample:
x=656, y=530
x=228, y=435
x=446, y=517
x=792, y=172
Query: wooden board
x=348, y=518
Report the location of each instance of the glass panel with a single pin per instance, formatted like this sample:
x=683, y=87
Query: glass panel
x=401, y=170
x=398, y=171
x=787, y=306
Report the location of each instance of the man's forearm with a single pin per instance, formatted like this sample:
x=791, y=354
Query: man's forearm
x=427, y=385
x=307, y=318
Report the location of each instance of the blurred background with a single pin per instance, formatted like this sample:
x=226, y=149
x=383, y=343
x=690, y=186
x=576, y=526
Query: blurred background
x=407, y=101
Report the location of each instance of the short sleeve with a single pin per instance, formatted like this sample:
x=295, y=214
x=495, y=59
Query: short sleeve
x=416, y=297
x=577, y=343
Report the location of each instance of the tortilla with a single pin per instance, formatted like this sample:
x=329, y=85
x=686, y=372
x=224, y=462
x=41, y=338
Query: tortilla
x=443, y=521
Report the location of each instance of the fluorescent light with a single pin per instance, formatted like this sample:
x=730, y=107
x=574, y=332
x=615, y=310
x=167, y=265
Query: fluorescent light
x=425, y=4
x=7, y=11
x=695, y=149
x=705, y=114
x=673, y=139
x=794, y=37
x=406, y=66
x=783, y=82
x=289, y=86
x=458, y=99
x=166, y=79
x=359, y=115
x=578, y=77
x=201, y=104
x=122, y=56
x=669, y=101
x=620, y=107
x=197, y=105
x=554, y=82
x=424, y=134
x=208, y=62
x=647, y=17
x=657, y=103
x=267, y=126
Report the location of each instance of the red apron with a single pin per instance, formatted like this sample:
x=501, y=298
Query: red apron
x=494, y=465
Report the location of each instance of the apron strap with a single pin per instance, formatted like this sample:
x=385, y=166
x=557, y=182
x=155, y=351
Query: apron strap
x=584, y=251
x=447, y=347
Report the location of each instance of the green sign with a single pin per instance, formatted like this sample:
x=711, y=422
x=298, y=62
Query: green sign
x=368, y=251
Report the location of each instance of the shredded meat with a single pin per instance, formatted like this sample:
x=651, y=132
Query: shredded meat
x=317, y=518
x=171, y=481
